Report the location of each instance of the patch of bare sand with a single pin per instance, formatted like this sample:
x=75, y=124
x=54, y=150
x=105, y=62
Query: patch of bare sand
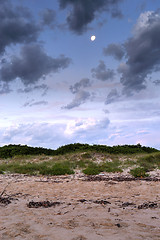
x=106, y=210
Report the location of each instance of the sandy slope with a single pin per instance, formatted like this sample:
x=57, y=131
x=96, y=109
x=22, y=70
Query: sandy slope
x=89, y=218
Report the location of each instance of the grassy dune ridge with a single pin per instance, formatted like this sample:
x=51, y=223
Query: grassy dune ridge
x=89, y=159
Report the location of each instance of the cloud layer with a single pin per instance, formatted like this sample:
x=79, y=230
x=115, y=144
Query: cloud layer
x=53, y=135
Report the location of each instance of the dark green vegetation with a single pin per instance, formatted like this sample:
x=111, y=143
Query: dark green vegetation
x=14, y=150
x=91, y=160
x=124, y=149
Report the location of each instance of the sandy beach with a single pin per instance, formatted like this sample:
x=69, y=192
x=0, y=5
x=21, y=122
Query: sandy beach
x=73, y=208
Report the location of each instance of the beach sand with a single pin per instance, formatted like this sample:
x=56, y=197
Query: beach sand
x=87, y=210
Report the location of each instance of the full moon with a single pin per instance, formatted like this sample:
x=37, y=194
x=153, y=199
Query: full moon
x=93, y=38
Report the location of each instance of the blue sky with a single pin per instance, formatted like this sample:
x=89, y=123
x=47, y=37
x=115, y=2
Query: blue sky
x=59, y=87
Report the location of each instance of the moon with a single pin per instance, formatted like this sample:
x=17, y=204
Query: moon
x=93, y=38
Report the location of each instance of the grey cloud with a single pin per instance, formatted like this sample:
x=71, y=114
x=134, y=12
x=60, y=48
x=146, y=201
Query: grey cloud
x=115, y=50
x=112, y=96
x=106, y=111
x=32, y=103
x=116, y=13
x=102, y=73
x=103, y=124
x=28, y=89
x=102, y=22
x=48, y=17
x=4, y=88
x=156, y=82
x=3, y=60
x=32, y=65
x=84, y=12
x=80, y=98
x=142, y=52
x=16, y=25
x=83, y=83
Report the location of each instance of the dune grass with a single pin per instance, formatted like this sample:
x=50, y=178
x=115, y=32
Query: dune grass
x=150, y=162
x=89, y=162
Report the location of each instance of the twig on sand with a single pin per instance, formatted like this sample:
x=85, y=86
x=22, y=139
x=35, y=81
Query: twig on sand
x=5, y=200
x=4, y=189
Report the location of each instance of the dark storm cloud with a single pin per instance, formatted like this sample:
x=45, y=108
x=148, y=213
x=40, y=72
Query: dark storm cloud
x=115, y=50
x=83, y=83
x=102, y=73
x=80, y=98
x=112, y=96
x=16, y=25
x=142, y=52
x=32, y=65
x=48, y=17
x=84, y=11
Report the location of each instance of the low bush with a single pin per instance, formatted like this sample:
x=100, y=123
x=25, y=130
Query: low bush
x=94, y=169
x=90, y=170
x=138, y=172
x=113, y=166
x=57, y=169
x=2, y=168
x=86, y=156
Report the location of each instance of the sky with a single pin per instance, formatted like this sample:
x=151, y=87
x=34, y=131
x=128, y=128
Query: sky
x=58, y=87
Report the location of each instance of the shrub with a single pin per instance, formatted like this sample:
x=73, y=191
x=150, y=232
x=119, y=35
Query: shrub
x=86, y=156
x=57, y=169
x=90, y=170
x=2, y=168
x=111, y=167
x=139, y=172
